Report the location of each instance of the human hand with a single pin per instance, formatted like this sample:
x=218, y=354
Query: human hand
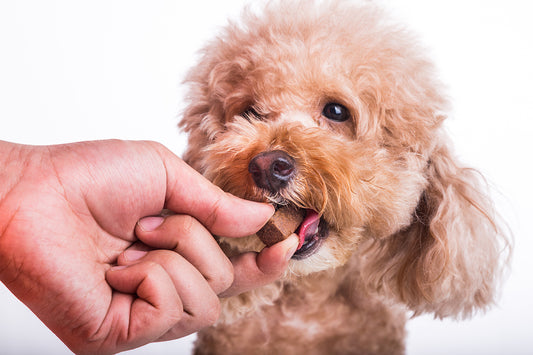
x=69, y=213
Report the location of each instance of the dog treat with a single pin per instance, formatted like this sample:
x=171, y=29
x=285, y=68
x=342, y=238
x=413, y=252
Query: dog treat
x=282, y=224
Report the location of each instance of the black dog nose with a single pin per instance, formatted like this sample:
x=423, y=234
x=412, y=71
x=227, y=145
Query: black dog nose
x=272, y=170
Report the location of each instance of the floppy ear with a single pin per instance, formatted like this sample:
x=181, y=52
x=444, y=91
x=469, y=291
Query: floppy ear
x=450, y=259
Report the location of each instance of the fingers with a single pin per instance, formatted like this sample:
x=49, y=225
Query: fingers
x=172, y=291
x=223, y=214
x=252, y=270
x=190, y=239
x=200, y=302
x=136, y=320
x=194, y=263
x=163, y=281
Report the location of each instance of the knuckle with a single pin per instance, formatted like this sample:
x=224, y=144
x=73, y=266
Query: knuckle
x=162, y=261
x=158, y=147
x=175, y=315
x=152, y=270
x=211, y=311
x=151, y=266
x=214, y=212
x=188, y=225
x=226, y=277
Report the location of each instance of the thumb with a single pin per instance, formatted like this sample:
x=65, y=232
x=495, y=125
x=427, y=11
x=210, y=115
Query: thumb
x=223, y=214
x=252, y=270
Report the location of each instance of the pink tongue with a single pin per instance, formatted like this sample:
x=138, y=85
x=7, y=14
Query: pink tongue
x=309, y=226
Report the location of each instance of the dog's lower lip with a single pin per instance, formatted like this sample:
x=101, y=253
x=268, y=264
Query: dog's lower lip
x=312, y=242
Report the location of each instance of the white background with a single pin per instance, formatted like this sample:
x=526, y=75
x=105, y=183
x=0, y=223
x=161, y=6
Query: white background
x=79, y=70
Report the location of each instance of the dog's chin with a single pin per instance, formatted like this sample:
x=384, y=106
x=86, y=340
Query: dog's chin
x=329, y=249
x=323, y=252
x=323, y=258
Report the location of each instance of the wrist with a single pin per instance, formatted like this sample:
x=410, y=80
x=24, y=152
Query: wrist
x=14, y=160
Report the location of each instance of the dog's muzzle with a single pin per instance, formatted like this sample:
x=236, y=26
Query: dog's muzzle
x=272, y=171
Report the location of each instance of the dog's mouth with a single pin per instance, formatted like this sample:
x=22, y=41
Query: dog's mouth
x=312, y=231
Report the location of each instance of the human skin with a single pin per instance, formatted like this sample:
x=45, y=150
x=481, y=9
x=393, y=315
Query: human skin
x=75, y=248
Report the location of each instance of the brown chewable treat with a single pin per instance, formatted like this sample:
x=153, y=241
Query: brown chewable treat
x=282, y=224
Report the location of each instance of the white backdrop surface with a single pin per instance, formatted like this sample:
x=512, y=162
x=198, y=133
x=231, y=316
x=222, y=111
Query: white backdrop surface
x=83, y=70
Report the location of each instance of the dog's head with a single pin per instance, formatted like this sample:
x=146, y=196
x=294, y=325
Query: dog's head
x=328, y=108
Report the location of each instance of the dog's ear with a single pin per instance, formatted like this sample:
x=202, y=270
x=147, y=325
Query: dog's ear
x=450, y=259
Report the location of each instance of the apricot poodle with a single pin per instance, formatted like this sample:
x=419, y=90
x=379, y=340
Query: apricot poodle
x=330, y=107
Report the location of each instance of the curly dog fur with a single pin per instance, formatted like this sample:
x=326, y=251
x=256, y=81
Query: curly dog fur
x=405, y=229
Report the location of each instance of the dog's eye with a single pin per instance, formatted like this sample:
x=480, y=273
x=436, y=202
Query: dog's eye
x=336, y=112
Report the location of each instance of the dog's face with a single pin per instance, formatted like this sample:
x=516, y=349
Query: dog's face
x=321, y=107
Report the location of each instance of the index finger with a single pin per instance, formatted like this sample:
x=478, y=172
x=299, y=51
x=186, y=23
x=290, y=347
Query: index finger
x=223, y=214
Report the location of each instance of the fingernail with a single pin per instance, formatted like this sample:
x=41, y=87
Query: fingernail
x=149, y=224
x=118, y=267
x=267, y=208
x=272, y=209
x=294, y=246
x=134, y=255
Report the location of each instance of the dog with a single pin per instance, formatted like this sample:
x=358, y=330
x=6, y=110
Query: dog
x=345, y=112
